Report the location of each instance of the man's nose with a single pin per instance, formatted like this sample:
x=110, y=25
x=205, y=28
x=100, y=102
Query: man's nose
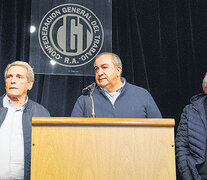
x=13, y=79
x=100, y=72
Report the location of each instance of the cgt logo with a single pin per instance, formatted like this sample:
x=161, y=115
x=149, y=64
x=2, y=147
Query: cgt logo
x=71, y=35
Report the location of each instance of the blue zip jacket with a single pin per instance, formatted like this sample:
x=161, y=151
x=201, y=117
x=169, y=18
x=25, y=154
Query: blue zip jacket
x=133, y=102
x=191, y=138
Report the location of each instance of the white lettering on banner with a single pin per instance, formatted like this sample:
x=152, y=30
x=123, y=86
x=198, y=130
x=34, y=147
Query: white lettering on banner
x=71, y=35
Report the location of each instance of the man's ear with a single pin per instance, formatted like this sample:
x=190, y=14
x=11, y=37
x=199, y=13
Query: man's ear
x=30, y=85
x=119, y=70
x=204, y=89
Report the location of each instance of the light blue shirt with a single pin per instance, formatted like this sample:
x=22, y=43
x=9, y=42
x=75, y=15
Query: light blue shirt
x=12, y=143
x=115, y=96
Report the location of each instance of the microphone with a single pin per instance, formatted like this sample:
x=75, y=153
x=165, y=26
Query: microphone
x=89, y=91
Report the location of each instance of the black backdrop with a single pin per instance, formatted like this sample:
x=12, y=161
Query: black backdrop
x=163, y=46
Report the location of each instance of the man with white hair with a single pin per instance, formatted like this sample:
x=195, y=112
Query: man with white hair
x=191, y=138
x=16, y=112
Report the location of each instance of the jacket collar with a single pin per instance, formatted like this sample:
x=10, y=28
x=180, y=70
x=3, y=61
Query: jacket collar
x=198, y=100
x=3, y=111
x=1, y=100
x=122, y=91
x=198, y=103
x=27, y=105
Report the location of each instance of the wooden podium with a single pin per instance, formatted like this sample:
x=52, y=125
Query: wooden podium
x=102, y=149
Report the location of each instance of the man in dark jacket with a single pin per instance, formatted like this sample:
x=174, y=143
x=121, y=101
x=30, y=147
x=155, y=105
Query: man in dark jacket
x=114, y=97
x=16, y=112
x=191, y=138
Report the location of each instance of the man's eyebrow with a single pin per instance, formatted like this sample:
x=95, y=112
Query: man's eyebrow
x=101, y=65
x=9, y=74
x=104, y=64
x=14, y=75
x=19, y=75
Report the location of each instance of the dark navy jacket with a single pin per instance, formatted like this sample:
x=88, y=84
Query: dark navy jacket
x=32, y=109
x=191, y=138
x=133, y=102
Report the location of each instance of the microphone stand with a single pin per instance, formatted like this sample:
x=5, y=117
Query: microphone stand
x=92, y=102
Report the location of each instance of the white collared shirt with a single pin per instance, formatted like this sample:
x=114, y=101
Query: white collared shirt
x=12, y=143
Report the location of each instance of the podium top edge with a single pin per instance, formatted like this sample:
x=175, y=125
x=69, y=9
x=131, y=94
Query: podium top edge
x=77, y=121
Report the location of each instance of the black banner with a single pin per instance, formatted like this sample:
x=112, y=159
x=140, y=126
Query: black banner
x=66, y=36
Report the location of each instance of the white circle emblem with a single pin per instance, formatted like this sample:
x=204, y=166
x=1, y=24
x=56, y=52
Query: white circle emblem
x=71, y=35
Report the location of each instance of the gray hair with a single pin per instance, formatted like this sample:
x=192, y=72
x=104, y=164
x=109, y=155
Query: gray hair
x=205, y=81
x=115, y=59
x=30, y=72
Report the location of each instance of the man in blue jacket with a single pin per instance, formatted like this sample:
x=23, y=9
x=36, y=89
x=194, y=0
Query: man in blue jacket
x=191, y=138
x=114, y=97
x=16, y=112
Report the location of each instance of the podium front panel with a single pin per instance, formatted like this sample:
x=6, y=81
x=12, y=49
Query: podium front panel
x=94, y=152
